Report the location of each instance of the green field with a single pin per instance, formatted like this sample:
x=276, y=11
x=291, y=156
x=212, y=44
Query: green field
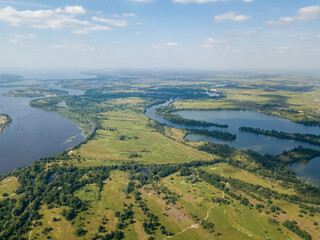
x=140, y=143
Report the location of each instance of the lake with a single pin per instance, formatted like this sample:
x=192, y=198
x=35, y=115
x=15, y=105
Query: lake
x=33, y=133
x=258, y=143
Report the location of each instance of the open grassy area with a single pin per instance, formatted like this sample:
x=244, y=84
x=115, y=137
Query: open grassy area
x=7, y=187
x=127, y=136
x=237, y=173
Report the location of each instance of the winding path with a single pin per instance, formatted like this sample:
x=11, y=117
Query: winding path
x=208, y=211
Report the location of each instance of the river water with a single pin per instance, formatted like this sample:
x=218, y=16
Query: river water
x=258, y=143
x=33, y=133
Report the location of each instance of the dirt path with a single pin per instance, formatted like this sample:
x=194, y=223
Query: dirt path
x=192, y=226
x=30, y=234
x=223, y=194
x=208, y=211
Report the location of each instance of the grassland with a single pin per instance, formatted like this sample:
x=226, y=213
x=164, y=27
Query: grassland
x=8, y=186
x=126, y=136
x=237, y=173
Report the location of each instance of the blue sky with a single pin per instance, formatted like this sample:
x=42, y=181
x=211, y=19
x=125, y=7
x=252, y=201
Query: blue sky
x=160, y=34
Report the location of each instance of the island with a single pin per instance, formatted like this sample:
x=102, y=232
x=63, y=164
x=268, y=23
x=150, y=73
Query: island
x=308, y=138
x=36, y=92
x=5, y=120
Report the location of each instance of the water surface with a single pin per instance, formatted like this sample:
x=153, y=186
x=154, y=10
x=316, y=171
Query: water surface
x=33, y=133
x=244, y=141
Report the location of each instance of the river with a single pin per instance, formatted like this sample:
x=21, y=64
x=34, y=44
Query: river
x=33, y=133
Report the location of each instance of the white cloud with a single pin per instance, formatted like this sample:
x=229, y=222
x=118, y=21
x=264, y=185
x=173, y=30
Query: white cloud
x=305, y=38
x=282, y=20
x=318, y=37
x=198, y=1
x=238, y=51
x=114, y=22
x=308, y=13
x=15, y=38
x=74, y=10
x=248, y=1
x=78, y=46
x=30, y=35
x=303, y=15
x=216, y=43
x=166, y=45
x=231, y=16
x=171, y=44
x=241, y=34
x=90, y=29
x=49, y=19
x=282, y=50
x=129, y=15
x=142, y=1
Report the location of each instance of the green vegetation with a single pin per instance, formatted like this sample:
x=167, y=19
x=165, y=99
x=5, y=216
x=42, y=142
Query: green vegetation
x=299, y=154
x=308, y=138
x=5, y=120
x=188, y=122
x=292, y=225
x=225, y=136
x=36, y=92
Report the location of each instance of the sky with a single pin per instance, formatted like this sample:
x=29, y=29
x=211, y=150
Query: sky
x=211, y=35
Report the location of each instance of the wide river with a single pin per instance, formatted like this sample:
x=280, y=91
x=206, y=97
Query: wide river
x=258, y=143
x=33, y=133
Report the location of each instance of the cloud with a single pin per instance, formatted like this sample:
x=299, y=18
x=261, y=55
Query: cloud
x=15, y=38
x=318, y=37
x=216, y=43
x=248, y=1
x=231, y=16
x=303, y=15
x=74, y=10
x=129, y=15
x=58, y=18
x=282, y=50
x=90, y=29
x=136, y=33
x=197, y=1
x=78, y=46
x=308, y=13
x=305, y=39
x=238, y=34
x=141, y=1
x=114, y=22
x=282, y=20
x=166, y=45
